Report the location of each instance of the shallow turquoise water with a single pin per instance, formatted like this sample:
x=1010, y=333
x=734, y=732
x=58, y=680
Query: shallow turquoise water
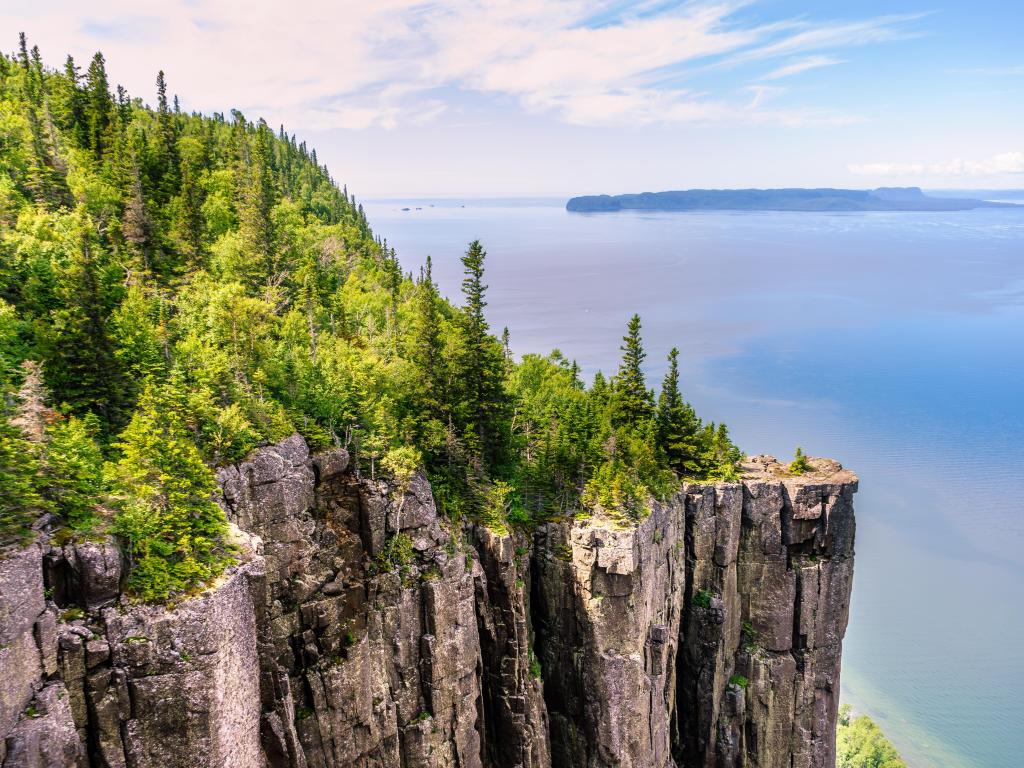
x=893, y=342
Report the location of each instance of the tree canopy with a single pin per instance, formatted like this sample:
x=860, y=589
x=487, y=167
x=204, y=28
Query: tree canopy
x=179, y=289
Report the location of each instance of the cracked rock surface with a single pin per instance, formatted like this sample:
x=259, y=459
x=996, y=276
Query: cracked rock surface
x=708, y=634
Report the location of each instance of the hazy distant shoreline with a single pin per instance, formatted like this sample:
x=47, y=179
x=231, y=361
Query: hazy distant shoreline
x=821, y=200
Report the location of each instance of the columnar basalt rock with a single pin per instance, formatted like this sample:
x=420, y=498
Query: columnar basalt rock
x=359, y=629
x=708, y=635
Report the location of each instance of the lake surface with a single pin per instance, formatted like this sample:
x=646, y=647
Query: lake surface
x=893, y=342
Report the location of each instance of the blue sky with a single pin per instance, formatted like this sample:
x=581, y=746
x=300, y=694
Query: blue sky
x=531, y=97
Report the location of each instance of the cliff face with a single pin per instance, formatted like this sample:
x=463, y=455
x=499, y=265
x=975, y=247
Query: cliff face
x=358, y=629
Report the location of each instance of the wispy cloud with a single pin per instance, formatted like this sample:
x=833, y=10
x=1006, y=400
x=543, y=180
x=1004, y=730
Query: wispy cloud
x=1004, y=163
x=797, y=66
x=386, y=63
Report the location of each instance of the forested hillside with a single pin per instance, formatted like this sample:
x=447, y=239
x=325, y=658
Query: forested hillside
x=178, y=289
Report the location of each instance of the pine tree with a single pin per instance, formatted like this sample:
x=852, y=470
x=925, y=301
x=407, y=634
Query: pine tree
x=258, y=199
x=99, y=104
x=20, y=501
x=167, y=153
x=73, y=473
x=73, y=108
x=632, y=402
x=482, y=369
x=79, y=357
x=164, y=493
x=426, y=344
x=678, y=425
x=136, y=224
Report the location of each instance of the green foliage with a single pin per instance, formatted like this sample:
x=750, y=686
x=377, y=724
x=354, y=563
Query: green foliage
x=72, y=614
x=860, y=743
x=397, y=554
x=749, y=637
x=739, y=680
x=402, y=462
x=702, y=599
x=497, y=507
x=20, y=500
x=191, y=287
x=74, y=471
x=175, y=533
x=535, y=669
x=799, y=465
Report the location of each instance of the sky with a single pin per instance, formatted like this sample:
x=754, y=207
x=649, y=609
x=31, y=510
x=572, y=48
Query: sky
x=555, y=98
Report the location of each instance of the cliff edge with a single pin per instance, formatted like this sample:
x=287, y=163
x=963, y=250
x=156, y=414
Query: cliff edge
x=360, y=629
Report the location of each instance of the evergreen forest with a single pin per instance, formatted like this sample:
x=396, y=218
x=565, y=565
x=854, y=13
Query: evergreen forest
x=179, y=289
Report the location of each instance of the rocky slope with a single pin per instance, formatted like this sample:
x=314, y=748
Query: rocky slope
x=359, y=629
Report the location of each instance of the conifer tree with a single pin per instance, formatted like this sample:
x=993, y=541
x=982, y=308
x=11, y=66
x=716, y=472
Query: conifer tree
x=164, y=494
x=632, y=400
x=258, y=200
x=73, y=473
x=166, y=148
x=32, y=412
x=20, y=501
x=99, y=104
x=678, y=425
x=483, y=364
x=72, y=109
x=427, y=344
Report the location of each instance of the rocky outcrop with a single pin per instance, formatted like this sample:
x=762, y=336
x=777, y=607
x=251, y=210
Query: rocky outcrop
x=360, y=629
x=707, y=635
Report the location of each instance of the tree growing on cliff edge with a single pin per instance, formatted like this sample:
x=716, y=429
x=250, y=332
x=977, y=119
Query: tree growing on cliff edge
x=20, y=501
x=678, y=425
x=483, y=363
x=632, y=402
x=164, y=495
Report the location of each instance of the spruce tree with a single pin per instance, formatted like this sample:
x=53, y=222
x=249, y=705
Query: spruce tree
x=20, y=501
x=427, y=349
x=99, y=104
x=483, y=367
x=258, y=199
x=632, y=400
x=678, y=425
x=175, y=532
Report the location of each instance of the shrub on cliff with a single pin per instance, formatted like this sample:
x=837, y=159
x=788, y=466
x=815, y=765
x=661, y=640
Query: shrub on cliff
x=799, y=465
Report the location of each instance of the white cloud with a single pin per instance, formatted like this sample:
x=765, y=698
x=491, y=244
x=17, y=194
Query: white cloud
x=384, y=63
x=797, y=66
x=997, y=165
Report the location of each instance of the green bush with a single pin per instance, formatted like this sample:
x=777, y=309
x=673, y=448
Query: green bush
x=20, y=501
x=739, y=680
x=535, y=668
x=799, y=465
x=397, y=554
x=702, y=599
x=860, y=743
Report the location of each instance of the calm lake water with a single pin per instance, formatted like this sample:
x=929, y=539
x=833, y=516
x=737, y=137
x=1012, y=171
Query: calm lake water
x=893, y=342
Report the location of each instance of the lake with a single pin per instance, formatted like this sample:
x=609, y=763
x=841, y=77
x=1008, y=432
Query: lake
x=893, y=342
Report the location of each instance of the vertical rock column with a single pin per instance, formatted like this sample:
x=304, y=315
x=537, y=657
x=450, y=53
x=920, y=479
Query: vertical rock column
x=516, y=727
x=609, y=601
x=772, y=566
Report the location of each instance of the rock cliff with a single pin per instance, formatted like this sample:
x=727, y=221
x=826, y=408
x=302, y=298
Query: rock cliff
x=359, y=629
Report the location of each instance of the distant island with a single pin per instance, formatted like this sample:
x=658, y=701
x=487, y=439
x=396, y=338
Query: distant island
x=881, y=199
